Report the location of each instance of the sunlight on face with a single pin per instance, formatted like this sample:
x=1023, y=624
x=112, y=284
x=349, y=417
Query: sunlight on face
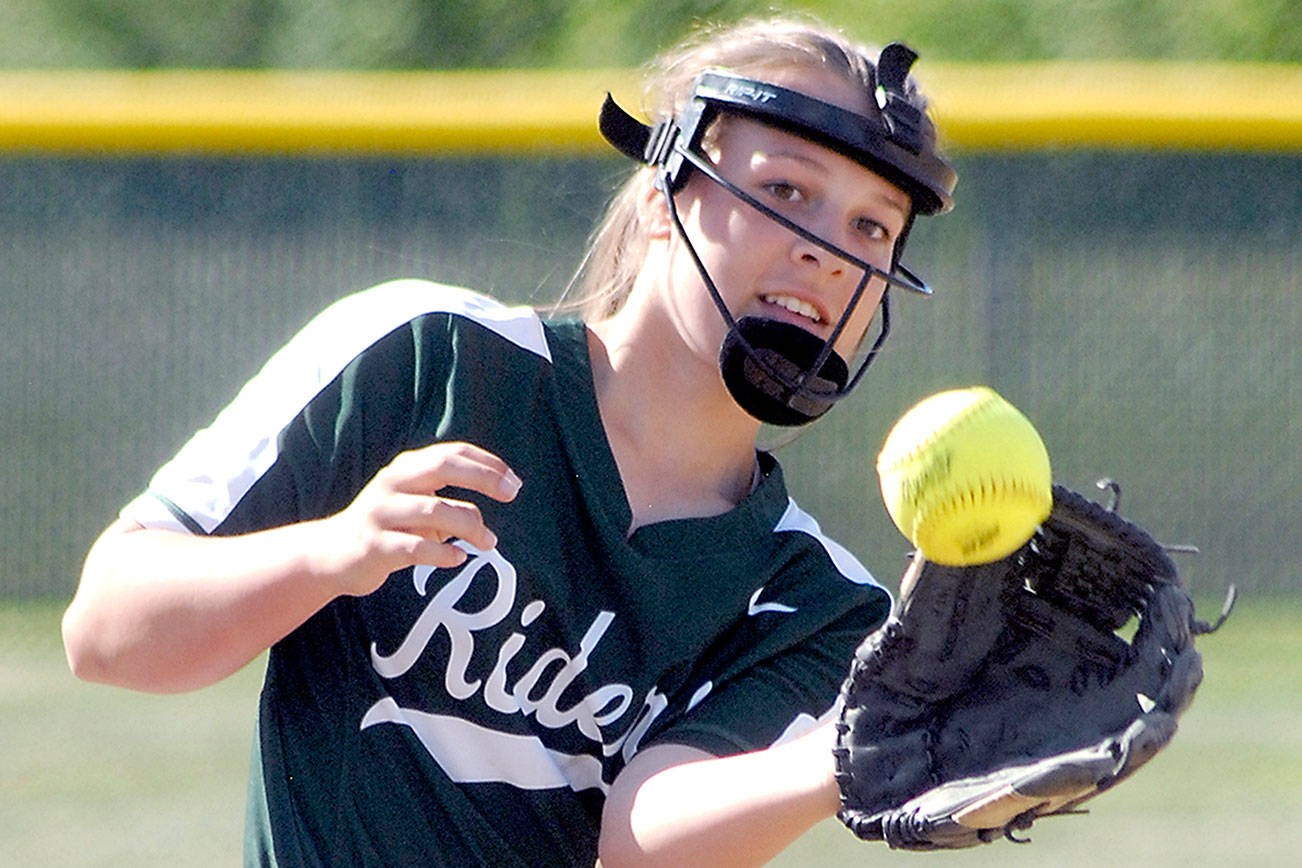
x=836, y=199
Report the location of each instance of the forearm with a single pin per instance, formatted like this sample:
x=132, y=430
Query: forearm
x=731, y=811
x=167, y=612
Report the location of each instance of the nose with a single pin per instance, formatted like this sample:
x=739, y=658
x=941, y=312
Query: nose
x=805, y=252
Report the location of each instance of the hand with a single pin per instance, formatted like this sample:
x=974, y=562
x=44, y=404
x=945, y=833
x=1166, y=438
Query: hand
x=399, y=519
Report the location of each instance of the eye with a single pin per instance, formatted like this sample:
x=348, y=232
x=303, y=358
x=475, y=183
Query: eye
x=784, y=191
x=872, y=229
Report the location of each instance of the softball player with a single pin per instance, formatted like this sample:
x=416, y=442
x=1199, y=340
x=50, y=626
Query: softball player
x=531, y=594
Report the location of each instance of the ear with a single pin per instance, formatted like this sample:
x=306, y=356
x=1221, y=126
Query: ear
x=652, y=212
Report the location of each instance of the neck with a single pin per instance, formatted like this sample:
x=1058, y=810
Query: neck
x=683, y=447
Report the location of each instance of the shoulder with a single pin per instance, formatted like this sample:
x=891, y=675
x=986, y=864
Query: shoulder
x=359, y=326
x=795, y=520
x=368, y=357
x=355, y=331
x=355, y=321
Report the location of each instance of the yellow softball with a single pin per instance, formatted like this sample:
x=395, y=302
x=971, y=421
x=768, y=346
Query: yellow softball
x=965, y=476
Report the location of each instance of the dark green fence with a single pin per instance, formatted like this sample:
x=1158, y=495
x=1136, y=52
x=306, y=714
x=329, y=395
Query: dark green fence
x=1142, y=309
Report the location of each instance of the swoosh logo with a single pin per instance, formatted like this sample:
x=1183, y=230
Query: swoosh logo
x=755, y=607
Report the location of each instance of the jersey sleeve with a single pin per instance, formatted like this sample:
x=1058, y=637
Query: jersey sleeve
x=776, y=673
x=780, y=697
x=324, y=413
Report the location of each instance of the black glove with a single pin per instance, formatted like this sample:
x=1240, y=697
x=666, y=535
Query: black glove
x=1001, y=693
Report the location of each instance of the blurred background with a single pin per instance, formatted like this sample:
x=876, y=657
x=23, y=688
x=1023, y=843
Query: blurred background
x=1140, y=302
x=429, y=34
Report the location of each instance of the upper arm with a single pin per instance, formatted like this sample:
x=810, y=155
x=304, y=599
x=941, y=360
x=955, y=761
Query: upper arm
x=121, y=531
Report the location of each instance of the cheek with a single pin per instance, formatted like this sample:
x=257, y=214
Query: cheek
x=857, y=330
x=688, y=302
x=732, y=250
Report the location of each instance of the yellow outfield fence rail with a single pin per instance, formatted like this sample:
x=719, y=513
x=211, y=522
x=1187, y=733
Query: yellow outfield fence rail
x=980, y=107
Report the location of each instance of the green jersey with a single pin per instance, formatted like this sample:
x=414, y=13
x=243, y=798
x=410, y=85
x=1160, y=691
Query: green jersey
x=478, y=715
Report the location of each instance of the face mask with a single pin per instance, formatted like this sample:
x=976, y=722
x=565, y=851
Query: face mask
x=778, y=372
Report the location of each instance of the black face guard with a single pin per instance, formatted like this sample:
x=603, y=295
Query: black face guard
x=777, y=372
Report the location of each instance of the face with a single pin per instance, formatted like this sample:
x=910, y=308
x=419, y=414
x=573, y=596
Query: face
x=760, y=267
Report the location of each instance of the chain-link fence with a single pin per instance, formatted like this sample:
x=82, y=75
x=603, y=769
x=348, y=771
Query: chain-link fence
x=1142, y=309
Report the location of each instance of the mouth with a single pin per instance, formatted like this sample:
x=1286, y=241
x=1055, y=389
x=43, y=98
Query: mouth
x=806, y=313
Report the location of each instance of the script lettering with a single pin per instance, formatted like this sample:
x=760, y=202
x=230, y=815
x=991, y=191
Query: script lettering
x=539, y=689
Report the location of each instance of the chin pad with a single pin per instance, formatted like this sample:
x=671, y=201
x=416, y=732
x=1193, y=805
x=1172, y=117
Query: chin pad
x=762, y=377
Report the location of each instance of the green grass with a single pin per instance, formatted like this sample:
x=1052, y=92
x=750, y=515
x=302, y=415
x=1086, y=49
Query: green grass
x=96, y=776
x=93, y=775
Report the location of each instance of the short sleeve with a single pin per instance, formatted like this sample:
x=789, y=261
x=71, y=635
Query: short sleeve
x=782, y=696
x=322, y=415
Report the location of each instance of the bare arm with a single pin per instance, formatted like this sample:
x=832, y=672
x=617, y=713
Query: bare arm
x=164, y=611
x=677, y=805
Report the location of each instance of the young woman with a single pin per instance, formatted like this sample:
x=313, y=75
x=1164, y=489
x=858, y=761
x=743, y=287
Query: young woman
x=530, y=591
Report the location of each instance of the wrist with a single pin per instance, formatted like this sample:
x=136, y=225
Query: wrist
x=815, y=758
x=327, y=560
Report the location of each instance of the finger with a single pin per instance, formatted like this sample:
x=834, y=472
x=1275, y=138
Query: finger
x=410, y=548
x=463, y=465
x=435, y=518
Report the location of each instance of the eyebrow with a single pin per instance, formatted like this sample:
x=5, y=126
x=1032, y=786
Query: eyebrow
x=884, y=198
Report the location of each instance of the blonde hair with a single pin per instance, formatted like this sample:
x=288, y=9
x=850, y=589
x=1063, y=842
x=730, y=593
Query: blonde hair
x=755, y=47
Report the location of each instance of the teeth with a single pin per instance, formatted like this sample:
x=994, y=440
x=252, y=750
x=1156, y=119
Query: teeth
x=795, y=305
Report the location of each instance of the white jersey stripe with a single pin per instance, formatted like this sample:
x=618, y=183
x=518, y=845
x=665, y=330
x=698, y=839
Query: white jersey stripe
x=796, y=519
x=803, y=724
x=470, y=753
x=218, y=466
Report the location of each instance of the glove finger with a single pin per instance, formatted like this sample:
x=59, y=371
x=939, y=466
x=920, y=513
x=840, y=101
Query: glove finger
x=1181, y=683
x=1142, y=741
x=1163, y=661
x=1166, y=622
x=945, y=624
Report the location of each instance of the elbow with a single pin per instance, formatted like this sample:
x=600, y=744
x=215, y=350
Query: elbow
x=87, y=660
x=622, y=853
x=618, y=845
x=98, y=650
x=83, y=645
x=104, y=646
x=94, y=628
x=94, y=655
